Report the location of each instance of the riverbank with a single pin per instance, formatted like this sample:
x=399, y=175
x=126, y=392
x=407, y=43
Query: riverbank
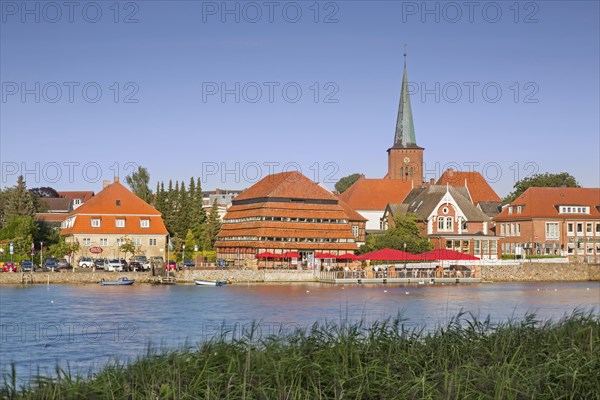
x=467, y=358
x=525, y=272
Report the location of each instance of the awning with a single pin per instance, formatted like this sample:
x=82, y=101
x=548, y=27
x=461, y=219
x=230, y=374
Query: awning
x=348, y=256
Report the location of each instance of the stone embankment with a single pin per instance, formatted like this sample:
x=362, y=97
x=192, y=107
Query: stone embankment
x=525, y=272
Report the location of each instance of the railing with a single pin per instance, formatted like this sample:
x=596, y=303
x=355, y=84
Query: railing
x=415, y=273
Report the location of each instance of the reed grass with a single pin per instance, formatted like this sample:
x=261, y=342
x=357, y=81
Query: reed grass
x=467, y=358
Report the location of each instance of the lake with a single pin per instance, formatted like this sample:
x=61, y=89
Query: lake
x=84, y=327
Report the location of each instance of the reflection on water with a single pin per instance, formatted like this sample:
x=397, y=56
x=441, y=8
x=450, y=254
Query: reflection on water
x=83, y=327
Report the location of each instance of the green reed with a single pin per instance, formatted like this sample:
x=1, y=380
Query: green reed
x=467, y=358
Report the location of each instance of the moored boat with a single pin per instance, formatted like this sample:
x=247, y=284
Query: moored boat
x=207, y=282
x=123, y=281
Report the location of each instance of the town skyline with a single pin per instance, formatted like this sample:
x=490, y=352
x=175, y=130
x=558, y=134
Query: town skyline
x=196, y=111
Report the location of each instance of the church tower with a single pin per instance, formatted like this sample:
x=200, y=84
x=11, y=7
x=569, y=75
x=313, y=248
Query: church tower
x=405, y=158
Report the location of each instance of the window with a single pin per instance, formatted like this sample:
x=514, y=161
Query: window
x=449, y=244
x=144, y=223
x=118, y=202
x=355, y=230
x=95, y=222
x=152, y=242
x=580, y=227
x=570, y=248
x=519, y=209
x=484, y=247
x=570, y=228
x=76, y=202
x=512, y=229
x=501, y=229
x=551, y=230
x=518, y=231
x=476, y=248
x=510, y=210
x=87, y=241
x=441, y=223
x=574, y=210
x=588, y=228
x=120, y=223
x=137, y=241
x=449, y=226
x=464, y=226
x=493, y=247
x=597, y=228
x=119, y=242
x=103, y=242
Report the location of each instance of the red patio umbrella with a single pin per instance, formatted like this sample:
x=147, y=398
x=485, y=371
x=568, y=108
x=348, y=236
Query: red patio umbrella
x=265, y=254
x=291, y=254
x=348, y=256
x=389, y=255
x=445, y=254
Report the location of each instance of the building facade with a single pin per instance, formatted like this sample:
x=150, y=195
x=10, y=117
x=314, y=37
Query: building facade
x=552, y=221
x=449, y=219
x=286, y=213
x=111, y=216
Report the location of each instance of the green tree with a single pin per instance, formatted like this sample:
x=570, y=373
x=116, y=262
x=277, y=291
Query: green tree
x=198, y=214
x=20, y=231
x=542, y=180
x=18, y=201
x=213, y=226
x=127, y=246
x=139, y=182
x=62, y=248
x=344, y=183
x=190, y=244
x=405, y=231
x=183, y=212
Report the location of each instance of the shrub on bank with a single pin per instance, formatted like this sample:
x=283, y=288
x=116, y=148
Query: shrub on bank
x=467, y=358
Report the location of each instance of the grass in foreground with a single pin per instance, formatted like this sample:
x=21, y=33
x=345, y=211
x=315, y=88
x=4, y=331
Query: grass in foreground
x=466, y=359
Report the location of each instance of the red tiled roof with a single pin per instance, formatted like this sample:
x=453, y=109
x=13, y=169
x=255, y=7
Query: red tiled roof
x=83, y=195
x=285, y=185
x=352, y=214
x=51, y=217
x=116, y=200
x=478, y=187
x=542, y=202
x=375, y=194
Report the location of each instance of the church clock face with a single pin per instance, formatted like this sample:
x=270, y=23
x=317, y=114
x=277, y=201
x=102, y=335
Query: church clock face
x=406, y=160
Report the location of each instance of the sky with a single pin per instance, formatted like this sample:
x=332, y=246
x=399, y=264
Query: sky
x=232, y=91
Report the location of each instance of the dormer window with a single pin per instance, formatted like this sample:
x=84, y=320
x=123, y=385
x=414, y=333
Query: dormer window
x=519, y=209
x=120, y=223
x=118, y=203
x=510, y=210
x=144, y=223
x=95, y=222
x=574, y=210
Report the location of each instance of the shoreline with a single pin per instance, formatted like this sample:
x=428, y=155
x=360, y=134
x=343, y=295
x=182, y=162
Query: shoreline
x=524, y=273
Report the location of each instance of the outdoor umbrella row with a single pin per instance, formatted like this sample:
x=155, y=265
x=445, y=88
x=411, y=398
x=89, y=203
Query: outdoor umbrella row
x=382, y=255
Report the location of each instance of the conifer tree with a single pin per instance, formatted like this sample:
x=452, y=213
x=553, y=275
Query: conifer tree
x=213, y=226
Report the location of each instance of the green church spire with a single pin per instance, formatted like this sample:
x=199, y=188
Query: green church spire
x=405, y=130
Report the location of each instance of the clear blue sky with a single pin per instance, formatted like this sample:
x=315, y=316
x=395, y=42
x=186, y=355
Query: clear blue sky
x=175, y=58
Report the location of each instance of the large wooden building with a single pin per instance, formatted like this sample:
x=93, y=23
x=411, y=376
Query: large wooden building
x=290, y=216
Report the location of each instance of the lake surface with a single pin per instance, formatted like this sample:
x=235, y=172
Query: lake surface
x=84, y=327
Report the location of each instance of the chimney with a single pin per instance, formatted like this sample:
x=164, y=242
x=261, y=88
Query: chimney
x=431, y=181
x=450, y=172
x=116, y=179
x=105, y=184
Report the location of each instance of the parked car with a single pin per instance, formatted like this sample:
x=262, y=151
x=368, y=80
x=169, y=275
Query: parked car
x=115, y=265
x=143, y=260
x=171, y=265
x=136, y=266
x=27, y=266
x=85, y=262
x=63, y=263
x=9, y=266
x=50, y=264
x=189, y=263
x=99, y=263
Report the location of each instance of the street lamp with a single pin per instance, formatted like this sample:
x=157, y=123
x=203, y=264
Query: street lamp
x=404, y=245
x=182, y=253
x=41, y=253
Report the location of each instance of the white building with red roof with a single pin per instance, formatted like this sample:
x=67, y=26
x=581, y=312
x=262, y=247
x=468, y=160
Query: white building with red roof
x=109, y=217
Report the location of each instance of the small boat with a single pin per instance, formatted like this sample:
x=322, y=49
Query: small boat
x=206, y=282
x=123, y=281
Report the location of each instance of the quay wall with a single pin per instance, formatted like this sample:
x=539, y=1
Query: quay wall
x=524, y=272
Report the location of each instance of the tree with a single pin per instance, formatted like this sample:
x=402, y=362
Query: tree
x=62, y=248
x=213, y=226
x=139, y=182
x=542, y=180
x=45, y=192
x=18, y=201
x=20, y=231
x=190, y=245
x=127, y=246
x=344, y=183
x=405, y=231
x=198, y=214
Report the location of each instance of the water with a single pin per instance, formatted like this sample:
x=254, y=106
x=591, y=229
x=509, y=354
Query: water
x=84, y=327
